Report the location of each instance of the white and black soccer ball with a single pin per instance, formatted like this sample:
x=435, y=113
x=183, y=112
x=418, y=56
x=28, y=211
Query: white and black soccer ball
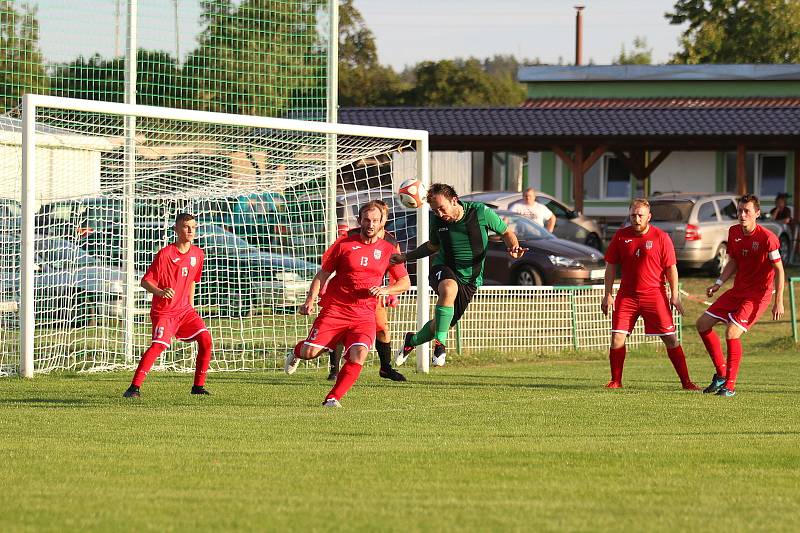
x=412, y=193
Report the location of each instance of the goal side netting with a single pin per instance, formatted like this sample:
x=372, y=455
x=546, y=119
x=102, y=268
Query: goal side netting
x=89, y=192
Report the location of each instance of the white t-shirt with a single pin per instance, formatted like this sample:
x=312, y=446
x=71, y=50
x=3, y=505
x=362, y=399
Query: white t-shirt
x=537, y=212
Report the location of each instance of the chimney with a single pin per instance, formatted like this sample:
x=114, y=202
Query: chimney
x=579, y=35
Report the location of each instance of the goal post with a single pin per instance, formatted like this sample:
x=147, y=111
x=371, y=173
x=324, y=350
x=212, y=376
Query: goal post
x=260, y=188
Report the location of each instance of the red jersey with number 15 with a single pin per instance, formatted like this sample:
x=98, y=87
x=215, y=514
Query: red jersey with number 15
x=754, y=255
x=358, y=266
x=175, y=270
x=644, y=258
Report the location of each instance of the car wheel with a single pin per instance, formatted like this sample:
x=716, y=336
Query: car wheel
x=720, y=259
x=785, y=248
x=528, y=276
x=593, y=240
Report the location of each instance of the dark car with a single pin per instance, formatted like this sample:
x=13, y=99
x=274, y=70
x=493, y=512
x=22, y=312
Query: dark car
x=71, y=286
x=548, y=261
x=570, y=224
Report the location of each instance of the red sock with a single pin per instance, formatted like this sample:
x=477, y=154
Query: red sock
x=204, y=351
x=734, y=358
x=146, y=363
x=344, y=380
x=678, y=359
x=616, y=357
x=714, y=349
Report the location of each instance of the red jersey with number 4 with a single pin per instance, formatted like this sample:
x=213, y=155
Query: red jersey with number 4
x=755, y=255
x=175, y=270
x=644, y=258
x=358, y=266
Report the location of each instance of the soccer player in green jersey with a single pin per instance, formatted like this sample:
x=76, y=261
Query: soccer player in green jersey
x=459, y=233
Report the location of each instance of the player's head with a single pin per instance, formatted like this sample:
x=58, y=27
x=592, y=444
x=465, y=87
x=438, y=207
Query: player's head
x=185, y=227
x=443, y=201
x=780, y=199
x=639, y=214
x=529, y=195
x=372, y=217
x=748, y=210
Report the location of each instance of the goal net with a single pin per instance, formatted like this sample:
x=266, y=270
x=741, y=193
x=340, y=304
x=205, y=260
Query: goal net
x=101, y=186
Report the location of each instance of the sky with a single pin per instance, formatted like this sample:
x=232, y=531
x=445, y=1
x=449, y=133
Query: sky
x=406, y=31
x=410, y=31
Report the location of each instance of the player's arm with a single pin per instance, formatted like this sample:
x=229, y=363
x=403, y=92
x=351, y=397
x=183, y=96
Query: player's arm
x=317, y=283
x=607, y=303
x=151, y=287
x=399, y=286
x=674, y=290
x=777, y=308
x=512, y=244
x=424, y=250
x=191, y=293
x=727, y=273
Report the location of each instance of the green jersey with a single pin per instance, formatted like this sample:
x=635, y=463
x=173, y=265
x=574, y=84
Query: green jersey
x=462, y=244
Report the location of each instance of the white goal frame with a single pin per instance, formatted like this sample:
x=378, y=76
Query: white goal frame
x=32, y=102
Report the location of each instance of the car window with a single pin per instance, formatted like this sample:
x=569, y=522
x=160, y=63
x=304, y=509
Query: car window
x=677, y=211
x=526, y=229
x=557, y=209
x=728, y=209
x=707, y=212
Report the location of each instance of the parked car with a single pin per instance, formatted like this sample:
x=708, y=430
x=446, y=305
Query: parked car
x=548, y=260
x=570, y=224
x=71, y=286
x=238, y=277
x=698, y=225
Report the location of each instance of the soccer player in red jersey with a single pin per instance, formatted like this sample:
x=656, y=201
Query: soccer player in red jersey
x=755, y=261
x=647, y=257
x=171, y=280
x=348, y=305
x=383, y=337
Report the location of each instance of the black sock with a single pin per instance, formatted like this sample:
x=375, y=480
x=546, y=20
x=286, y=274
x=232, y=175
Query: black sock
x=335, y=357
x=384, y=350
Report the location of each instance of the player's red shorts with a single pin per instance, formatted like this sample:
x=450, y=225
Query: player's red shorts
x=652, y=307
x=331, y=328
x=744, y=311
x=185, y=326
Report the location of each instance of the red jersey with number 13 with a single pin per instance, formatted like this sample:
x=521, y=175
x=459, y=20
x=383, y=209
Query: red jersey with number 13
x=175, y=270
x=644, y=258
x=754, y=255
x=358, y=267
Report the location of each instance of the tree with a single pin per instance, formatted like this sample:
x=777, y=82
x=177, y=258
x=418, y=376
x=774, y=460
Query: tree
x=733, y=31
x=640, y=55
x=22, y=67
x=362, y=80
x=462, y=82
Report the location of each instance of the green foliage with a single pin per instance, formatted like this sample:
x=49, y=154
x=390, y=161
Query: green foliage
x=639, y=55
x=732, y=31
x=22, y=67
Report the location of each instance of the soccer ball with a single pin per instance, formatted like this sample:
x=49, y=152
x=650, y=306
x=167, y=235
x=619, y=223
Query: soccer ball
x=412, y=193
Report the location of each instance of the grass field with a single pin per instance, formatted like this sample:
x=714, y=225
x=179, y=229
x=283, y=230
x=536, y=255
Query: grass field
x=483, y=444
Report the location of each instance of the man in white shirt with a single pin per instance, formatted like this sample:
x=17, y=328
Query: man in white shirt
x=533, y=210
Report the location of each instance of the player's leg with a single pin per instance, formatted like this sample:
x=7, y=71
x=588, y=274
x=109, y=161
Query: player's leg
x=740, y=321
x=163, y=330
x=657, y=316
x=717, y=312
x=191, y=328
x=333, y=364
x=437, y=274
x=321, y=337
x=358, y=341
x=384, y=347
x=623, y=318
x=462, y=301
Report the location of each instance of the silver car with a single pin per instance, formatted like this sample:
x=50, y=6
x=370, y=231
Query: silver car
x=698, y=225
x=570, y=224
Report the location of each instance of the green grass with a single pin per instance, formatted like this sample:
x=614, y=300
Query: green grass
x=488, y=443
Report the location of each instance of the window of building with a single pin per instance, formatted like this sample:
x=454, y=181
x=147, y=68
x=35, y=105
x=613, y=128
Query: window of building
x=766, y=173
x=608, y=179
